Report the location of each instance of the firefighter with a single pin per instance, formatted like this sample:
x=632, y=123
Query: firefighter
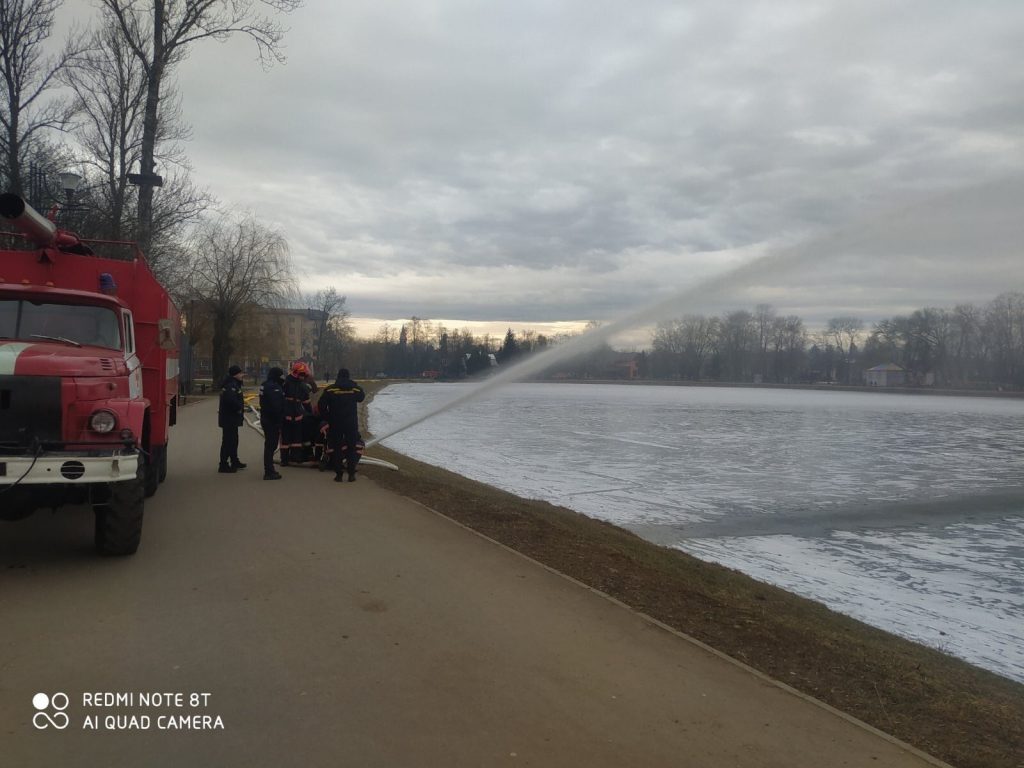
x=229, y=419
x=339, y=408
x=296, y=443
x=271, y=417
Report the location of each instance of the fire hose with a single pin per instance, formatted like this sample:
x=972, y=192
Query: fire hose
x=252, y=418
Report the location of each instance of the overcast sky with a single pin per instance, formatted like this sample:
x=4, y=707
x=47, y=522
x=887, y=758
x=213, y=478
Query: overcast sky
x=544, y=161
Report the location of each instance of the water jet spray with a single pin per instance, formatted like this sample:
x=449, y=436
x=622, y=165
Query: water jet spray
x=746, y=275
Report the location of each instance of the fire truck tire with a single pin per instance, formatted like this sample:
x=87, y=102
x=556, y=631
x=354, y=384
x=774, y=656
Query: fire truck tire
x=119, y=520
x=152, y=472
x=163, y=464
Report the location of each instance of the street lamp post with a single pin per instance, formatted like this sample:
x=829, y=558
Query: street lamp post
x=70, y=182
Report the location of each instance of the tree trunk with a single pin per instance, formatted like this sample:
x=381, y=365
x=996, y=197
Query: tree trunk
x=222, y=348
x=147, y=161
x=14, y=182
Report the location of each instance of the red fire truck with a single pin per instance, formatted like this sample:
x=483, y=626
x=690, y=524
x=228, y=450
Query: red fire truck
x=88, y=376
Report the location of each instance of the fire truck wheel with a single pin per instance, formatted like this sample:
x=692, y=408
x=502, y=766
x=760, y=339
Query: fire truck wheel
x=119, y=520
x=163, y=463
x=152, y=472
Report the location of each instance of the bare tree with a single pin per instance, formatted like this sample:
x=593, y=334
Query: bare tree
x=681, y=347
x=967, y=344
x=26, y=78
x=931, y=332
x=885, y=344
x=337, y=344
x=667, y=349
x=699, y=335
x=180, y=205
x=737, y=344
x=238, y=264
x=159, y=33
x=789, y=342
x=110, y=88
x=843, y=333
x=1004, y=327
x=764, y=318
x=331, y=329
x=385, y=335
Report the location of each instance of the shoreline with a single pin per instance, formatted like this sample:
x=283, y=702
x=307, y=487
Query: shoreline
x=963, y=714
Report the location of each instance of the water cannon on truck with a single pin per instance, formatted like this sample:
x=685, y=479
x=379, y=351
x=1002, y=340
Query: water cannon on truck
x=89, y=343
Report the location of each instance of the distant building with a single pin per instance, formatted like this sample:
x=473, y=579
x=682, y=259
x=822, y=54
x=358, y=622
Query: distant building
x=886, y=375
x=265, y=337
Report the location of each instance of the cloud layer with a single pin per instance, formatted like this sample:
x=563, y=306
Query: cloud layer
x=568, y=161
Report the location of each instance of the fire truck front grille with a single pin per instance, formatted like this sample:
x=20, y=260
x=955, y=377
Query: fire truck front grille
x=30, y=410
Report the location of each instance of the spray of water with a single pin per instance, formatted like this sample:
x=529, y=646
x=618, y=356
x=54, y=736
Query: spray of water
x=772, y=265
x=707, y=290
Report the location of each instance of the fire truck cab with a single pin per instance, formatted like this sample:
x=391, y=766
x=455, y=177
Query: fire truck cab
x=88, y=377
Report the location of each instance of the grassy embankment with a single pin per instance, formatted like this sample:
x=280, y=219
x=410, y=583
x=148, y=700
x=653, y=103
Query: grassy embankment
x=959, y=713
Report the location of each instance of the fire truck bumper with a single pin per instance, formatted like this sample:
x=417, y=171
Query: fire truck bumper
x=63, y=468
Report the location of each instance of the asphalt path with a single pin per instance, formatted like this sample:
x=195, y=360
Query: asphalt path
x=306, y=622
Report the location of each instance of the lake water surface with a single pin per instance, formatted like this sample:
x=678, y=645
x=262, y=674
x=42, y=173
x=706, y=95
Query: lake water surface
x=906, y=512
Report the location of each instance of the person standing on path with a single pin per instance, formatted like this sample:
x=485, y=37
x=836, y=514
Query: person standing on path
x=229, y=418
x=298, y=386
x=339, y=408
x=271, y=419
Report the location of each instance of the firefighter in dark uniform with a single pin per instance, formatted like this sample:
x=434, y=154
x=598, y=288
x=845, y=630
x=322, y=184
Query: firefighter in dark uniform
x=339, y=408
x=271, y=418
x=296, y=443
x=229, y=418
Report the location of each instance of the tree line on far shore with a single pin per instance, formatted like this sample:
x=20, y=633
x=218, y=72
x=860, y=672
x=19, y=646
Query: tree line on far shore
x=964, y=347
x=968, y=346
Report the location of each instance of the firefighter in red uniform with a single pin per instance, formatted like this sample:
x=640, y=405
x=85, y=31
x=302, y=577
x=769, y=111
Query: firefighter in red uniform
x=296, y=445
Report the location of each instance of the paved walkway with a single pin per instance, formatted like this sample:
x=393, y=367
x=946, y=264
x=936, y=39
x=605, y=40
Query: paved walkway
x=341, y=625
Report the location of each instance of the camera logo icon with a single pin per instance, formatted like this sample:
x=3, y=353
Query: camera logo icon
x=42, y=719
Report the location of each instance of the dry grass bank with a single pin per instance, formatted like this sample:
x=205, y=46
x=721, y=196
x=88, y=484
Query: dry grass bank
x=948, y=708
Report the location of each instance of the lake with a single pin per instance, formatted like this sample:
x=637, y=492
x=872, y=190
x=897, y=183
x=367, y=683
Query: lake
x=904, y=511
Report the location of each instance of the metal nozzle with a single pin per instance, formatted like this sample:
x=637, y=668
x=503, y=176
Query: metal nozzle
x=39, y=229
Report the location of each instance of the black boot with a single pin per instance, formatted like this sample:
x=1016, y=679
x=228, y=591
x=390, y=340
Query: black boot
x=226, y=468
x=238, y=465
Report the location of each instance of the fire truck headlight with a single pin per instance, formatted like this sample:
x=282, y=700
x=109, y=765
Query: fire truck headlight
x=102, y=422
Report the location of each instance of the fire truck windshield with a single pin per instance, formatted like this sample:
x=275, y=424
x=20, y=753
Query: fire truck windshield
x=78, y=324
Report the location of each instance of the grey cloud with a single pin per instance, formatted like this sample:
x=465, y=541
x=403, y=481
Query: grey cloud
x=457, y=141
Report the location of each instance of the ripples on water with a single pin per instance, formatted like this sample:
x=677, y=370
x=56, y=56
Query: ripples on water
x=904, y=511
